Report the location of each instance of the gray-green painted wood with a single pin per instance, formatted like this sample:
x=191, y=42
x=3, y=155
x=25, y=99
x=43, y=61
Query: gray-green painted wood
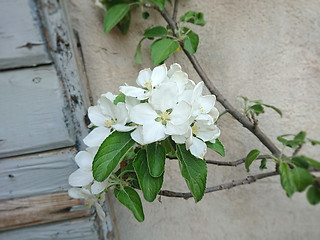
x=36, y=174
x=21, y=42
x=34, y=114
x=79, y=229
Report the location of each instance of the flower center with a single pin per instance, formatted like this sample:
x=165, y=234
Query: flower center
x=109, y=123
x=164, y=116
x=195, y=129
x=148, y=85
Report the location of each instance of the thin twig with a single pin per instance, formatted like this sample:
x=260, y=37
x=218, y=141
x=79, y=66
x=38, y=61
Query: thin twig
x=229, y=185
x=233, y=163
x=225, y=103
x=297, y=150
x=233, y=183
x=175, y=10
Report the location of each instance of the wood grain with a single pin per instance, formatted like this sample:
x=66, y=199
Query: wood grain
x=21, y=41
x=41, y=209
x=34, y=114
x=36, y=174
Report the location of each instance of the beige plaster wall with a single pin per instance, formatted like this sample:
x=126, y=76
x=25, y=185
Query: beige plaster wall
x=262, y=49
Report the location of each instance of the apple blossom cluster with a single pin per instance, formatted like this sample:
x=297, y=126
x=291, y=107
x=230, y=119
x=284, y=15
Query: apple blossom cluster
x=166, y=103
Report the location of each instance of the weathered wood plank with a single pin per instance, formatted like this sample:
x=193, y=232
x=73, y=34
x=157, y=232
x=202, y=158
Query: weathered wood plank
x=34, y=114
x=20, y=36
x=41, y=209
x=36, y=174
x=80, y=229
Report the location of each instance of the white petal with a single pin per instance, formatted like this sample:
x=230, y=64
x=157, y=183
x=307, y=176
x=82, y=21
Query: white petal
x=144, y=77
x=96, y=136
x=205, y=119
x=96, y=116
x=143, y=113
x=207, y=103
x=79, y=193
x=177, y=129
x=181, y=113
x=109, y=95
x=121, y=112
x=198, y=148
x=164, y=97
x=179, y=139
x=158, y=75
x=92, y=150
x=181, y=79
x=214, y=113
x=98, y=187
x=80, y=178
x=173, y=68
x=153, y=132
x=107, y=107
x=84, y=159
x=207, y=133
x=131, y=102
x=133, y=92
x=122, y=128
x=136, y=135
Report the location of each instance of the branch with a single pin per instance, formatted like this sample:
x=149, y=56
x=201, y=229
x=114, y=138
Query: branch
x=232, y=184
x=233, y=163
x=229, y=185
x=225, y=103
x=175, y=10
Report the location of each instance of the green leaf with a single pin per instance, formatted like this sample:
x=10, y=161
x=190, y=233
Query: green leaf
x=312, y=162
x=194, y=171
x=114, y=16
x=193, y=17
x=130, y=198
x=252, y=155
x=110, y=154
x=156, y=156
x=286, y=179
x=120, y=98
x=150, y=186
x=124, y=24
x=301, y=178
x=191, y=42
x=274, y=108
x=300, y=162
x=161, y=49
x=138, y=54
x=157, y=31
x=289, y=143
x=169, y=146
x=159, y=3
x=145, y=15
x=263, y=164
x=217, y=146
x=257, y=109
x=300, y=137
x=314, y=142
x=313, y=195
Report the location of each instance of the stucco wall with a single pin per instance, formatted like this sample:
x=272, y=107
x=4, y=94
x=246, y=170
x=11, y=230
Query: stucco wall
x=262, y=49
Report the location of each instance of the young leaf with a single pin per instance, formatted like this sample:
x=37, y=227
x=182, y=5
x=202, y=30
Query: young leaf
x=138, y=54
x=274, y=108
x=114, y=16
x=300, y=137
x=156, y=156
x=159, y=3
x=161, y=49
x=257, y=109
x=314, y=142
x=312, y=162
x=300, y=162
x=263, y=164
x=124, y=24
x=191, y=42
x=110, y=153
x=150, y=186
x=217, y=146
x=130, y=198
x=252, y=155
x=301, y=178
x=286, y=179
x=313, y=195
x=157, y=31
x=194, y=171
x=193, y=17
x=120, y=98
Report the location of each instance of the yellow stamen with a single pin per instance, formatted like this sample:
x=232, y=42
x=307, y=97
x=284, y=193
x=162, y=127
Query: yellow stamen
x=195, y=129
x=109, y=123
x=148, y=85
x=201, y=109
x=179, y=48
